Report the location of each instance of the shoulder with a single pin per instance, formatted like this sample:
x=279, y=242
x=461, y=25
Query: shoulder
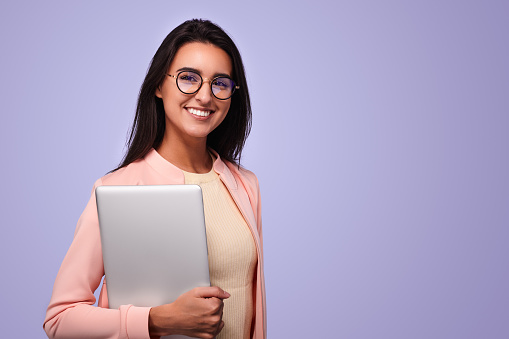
x=247, y=178
x=152, y=169
x=133, y=174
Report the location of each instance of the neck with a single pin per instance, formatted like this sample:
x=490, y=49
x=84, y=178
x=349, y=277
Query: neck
x=188, y=155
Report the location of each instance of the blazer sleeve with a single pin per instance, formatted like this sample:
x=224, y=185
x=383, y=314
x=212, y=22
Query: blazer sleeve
x=253, y=187
x=71, y=313
x=258, y=210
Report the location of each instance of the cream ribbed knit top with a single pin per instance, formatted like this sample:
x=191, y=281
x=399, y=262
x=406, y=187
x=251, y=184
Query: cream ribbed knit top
x=232, y=254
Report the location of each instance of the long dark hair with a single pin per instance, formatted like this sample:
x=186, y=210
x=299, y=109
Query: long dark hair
x=147, y=132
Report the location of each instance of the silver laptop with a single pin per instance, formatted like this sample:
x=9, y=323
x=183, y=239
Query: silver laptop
x=153, y=241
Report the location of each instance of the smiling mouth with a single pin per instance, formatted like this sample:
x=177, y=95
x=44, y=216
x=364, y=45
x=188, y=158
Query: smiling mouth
x=198, y=112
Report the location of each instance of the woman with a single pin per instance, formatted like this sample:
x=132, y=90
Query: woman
x=192, y=119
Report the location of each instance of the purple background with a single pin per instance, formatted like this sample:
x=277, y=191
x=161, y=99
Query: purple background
x=380, y=138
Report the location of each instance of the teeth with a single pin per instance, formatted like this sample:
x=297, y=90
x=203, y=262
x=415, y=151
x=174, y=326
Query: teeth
x=198, y=112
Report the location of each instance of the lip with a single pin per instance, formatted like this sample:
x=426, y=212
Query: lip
x=198, y=117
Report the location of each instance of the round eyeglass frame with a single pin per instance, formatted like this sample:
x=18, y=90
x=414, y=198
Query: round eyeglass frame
x=235, y=87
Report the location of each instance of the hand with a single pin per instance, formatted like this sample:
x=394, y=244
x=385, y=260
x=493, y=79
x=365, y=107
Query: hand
x=196, y=313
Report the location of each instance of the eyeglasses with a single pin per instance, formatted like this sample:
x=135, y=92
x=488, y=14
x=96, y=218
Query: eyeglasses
x=189, y=82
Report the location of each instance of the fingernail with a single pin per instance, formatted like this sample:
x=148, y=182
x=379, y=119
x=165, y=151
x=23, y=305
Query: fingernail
x=227, y=294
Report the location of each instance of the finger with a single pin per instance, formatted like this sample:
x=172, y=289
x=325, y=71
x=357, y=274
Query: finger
x=221, y=325
x=215, y=305
x=210, y=292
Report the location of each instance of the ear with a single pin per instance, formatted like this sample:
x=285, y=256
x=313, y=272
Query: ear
x=158, y=92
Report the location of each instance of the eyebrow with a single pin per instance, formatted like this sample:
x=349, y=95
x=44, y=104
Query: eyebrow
x=190, y=69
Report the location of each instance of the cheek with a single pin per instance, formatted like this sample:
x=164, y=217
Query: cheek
x=226, y=107
x=174, y=100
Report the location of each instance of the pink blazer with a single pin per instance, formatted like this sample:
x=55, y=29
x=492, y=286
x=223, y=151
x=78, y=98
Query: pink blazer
x=71, y=313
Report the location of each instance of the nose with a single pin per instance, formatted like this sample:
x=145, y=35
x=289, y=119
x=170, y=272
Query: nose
x=204, y=94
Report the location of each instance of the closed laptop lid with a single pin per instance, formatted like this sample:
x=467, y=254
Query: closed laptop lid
x=153, y=241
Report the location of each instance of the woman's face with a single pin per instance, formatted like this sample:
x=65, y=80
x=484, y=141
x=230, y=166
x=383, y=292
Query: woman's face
x=195, y=115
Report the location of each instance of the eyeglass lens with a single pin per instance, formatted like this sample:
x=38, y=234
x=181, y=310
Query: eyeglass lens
x=190, y=82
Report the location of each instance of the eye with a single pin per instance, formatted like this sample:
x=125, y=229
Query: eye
x=190, y=77
x=223, y=83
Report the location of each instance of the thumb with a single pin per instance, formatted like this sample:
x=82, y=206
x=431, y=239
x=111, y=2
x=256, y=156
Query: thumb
x=211, y=292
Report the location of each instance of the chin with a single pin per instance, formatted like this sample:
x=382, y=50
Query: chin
x=199, y=134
